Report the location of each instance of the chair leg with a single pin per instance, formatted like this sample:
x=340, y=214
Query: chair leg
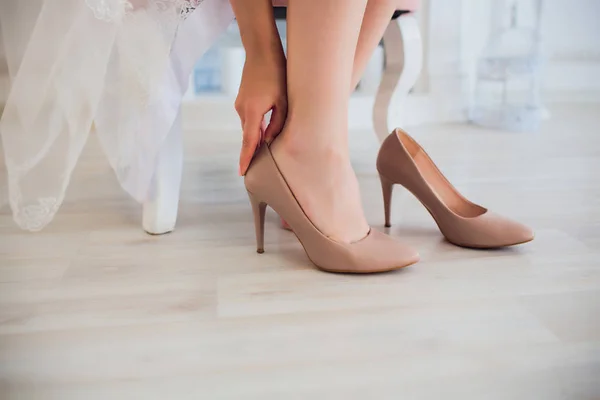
x=403, y=49
x=160, y=209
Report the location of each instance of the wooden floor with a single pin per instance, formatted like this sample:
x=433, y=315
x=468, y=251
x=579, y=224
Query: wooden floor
x=93, y=308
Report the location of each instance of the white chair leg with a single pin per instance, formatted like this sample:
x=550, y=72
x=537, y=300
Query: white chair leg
x=403, y=62
x=160, y=210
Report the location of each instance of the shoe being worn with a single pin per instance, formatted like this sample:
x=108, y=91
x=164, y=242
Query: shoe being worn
x=402, y=161
x=376, y=252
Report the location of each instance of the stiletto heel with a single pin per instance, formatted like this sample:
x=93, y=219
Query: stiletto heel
x=259, y=209
x=403, y=161
x=376, y=252
x=387, y=188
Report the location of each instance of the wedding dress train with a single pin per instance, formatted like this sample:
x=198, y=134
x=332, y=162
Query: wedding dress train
x=118, y=68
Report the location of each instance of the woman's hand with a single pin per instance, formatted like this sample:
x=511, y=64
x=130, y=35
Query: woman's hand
x=263, y=89
x=263, y=86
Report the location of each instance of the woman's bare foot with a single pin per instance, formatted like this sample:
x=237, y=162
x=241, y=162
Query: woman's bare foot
x=325, y=185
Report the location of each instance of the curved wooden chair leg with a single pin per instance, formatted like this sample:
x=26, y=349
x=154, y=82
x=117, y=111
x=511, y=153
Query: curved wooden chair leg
x=160, y=210
x=403, y=49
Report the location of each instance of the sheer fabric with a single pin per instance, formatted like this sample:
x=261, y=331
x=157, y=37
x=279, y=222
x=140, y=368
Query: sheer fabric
x=118, y=66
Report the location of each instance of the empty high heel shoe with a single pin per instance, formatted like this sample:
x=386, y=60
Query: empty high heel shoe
x=402, y=161
x=376, y=252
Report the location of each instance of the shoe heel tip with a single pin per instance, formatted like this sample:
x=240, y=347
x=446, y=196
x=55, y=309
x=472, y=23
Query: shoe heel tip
x=388, y=225
x=260, y=251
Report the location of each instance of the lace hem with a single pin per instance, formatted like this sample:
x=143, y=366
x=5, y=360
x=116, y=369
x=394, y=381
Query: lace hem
x=115, y=10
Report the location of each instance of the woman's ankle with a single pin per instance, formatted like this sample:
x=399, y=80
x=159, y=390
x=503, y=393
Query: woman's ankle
x=313, y=154
x=307, y=144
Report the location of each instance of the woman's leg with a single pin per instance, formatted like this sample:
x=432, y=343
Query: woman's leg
x=378, y=15
x=312, y=150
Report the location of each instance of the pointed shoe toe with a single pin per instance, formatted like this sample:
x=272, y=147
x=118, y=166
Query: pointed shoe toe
x=488, y=231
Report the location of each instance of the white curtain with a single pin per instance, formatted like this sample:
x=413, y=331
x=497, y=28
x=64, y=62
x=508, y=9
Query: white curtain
x=119, y=66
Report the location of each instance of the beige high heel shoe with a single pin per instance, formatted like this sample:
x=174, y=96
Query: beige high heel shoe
x=376, y=252
x=402, y=161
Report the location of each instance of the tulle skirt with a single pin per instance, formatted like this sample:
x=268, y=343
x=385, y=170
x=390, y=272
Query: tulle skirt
x=116, y=68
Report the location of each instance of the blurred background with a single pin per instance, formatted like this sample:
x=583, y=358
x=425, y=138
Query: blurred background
x=457, y=35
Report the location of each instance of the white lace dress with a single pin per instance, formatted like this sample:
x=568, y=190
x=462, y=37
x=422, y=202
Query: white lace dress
x=118, y=66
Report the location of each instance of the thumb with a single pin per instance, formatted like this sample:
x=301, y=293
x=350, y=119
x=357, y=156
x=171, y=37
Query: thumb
x=278, y=117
